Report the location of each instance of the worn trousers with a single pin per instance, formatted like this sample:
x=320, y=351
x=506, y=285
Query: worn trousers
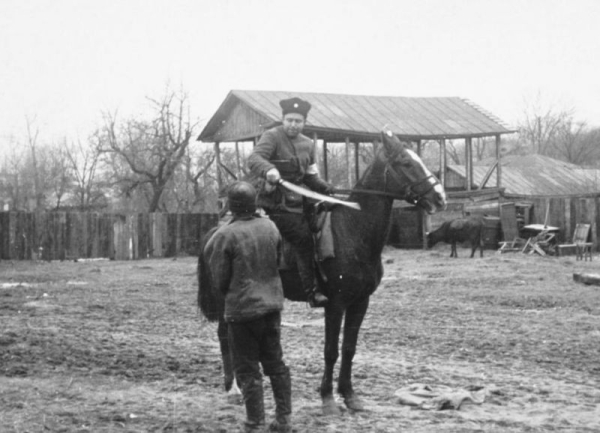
x=256, y=343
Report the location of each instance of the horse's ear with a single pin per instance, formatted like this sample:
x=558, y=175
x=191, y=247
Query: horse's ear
x=387, y=138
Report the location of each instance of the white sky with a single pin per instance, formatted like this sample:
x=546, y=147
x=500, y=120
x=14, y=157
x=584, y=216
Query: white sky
x=65, y=62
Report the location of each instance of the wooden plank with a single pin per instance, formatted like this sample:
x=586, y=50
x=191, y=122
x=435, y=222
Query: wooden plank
x=156, y=249
x=348, y=171
x=443, y=162
x=588, y=279
x=356, y=162
x=120, y=237
x=143, y=236
x=93, y=235
x=4, y=253
x=469, y=162
x=499, y=169
x=171, y=239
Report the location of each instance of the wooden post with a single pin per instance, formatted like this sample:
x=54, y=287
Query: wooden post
x=419, y=147
x=499, y=168
x=237, y=159
x=469, y=162
x=315, y=140
x=356, y=166
x=325, y=167
x=348, y=172
x=443, y=162
x=218, y=162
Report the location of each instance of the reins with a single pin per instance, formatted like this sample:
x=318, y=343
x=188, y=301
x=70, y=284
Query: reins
x=410, y=194
x=368, y=192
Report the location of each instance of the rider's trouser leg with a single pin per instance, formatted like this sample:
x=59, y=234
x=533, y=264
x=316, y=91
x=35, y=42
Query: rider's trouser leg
x=294, y=229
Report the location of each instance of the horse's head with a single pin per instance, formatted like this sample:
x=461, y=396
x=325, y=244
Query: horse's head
x=407, y=176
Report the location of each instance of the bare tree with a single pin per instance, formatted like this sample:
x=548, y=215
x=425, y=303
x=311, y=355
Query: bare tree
x=575, y=143
x=150, y=150
x=454, y=151
x=32, y=143
x=83, y=160
x=541, y=125
x=12, y=182
x=56, y=174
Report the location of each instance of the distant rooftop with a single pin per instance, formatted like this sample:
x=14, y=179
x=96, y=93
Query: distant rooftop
x=537, y=175
x=245, y=114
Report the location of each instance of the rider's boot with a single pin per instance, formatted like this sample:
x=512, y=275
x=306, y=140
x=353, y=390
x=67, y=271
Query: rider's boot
x=306, y=269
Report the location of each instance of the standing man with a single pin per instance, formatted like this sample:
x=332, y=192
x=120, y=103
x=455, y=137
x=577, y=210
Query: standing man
x=285, y=153
x=243, y=258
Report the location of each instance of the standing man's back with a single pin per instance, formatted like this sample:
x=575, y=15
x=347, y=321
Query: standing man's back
x=243, y=256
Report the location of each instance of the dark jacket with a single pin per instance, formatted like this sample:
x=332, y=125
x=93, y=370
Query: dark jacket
x=243, y=257
x=295, y=160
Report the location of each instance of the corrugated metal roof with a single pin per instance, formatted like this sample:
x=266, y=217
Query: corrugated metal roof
x=537, y=175
x=358, y=115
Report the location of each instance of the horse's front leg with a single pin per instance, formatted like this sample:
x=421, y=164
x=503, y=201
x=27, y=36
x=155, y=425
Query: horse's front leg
x=355, y=314
x=333, y=324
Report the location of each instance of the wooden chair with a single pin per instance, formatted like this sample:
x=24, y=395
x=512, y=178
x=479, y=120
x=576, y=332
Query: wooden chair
x=542, y=243
x=583, y=248
x=510, y=230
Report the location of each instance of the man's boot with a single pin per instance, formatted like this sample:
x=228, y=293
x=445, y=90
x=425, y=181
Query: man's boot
x=282, y=393
x=306, y=269
x=252, y=390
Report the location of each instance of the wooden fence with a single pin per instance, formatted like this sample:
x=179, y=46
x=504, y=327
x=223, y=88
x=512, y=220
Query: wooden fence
x=76, y=235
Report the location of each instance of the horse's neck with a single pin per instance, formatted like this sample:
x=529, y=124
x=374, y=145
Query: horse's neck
x=374, y=218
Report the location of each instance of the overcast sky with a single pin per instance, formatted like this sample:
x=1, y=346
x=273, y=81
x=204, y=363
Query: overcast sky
x=65, y=62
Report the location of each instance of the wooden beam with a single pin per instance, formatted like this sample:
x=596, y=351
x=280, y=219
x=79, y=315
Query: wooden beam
x=325, y=166
x=348, y=171
x=218, y=165
x=237, y=160
x=317, y=155
x=443, y=162
x=487, y=176
x=469, y=162
x=356, y=165
x=499, y=169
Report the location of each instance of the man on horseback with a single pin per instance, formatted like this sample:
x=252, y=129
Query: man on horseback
x=285, y=153
x=243, y=257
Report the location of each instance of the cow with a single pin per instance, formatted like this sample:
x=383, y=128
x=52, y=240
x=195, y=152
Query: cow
x=459, y=230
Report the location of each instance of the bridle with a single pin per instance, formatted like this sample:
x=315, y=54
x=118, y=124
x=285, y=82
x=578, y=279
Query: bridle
x=409, y=193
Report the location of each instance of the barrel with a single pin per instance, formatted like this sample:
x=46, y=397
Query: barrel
x=491, y=232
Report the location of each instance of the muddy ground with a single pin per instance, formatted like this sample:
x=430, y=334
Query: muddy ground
x=120, y=347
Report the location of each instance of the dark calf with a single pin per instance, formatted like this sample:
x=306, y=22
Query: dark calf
x=459, y=230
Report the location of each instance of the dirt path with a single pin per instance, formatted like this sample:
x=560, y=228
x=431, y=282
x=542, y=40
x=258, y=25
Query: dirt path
x=119, y=346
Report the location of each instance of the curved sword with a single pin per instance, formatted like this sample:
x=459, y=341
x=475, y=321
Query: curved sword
x=316, y=196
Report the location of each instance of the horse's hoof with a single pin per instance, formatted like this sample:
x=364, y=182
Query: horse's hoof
x=354, y=404
x=236, y=399
x=330, y=407
x=234, y=395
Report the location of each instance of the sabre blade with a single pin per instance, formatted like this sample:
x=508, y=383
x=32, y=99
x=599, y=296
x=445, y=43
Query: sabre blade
x=316, y=196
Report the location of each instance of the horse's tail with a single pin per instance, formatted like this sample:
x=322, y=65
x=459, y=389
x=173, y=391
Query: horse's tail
x=210, y=303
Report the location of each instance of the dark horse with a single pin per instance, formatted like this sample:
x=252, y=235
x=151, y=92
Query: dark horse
x=356, y=270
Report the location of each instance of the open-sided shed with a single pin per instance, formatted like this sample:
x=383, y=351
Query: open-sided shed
x=546, y=191
x=353, y=119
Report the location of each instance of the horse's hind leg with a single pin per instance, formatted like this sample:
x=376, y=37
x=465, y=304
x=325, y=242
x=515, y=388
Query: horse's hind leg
x=354, y=318
x=333, y=324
